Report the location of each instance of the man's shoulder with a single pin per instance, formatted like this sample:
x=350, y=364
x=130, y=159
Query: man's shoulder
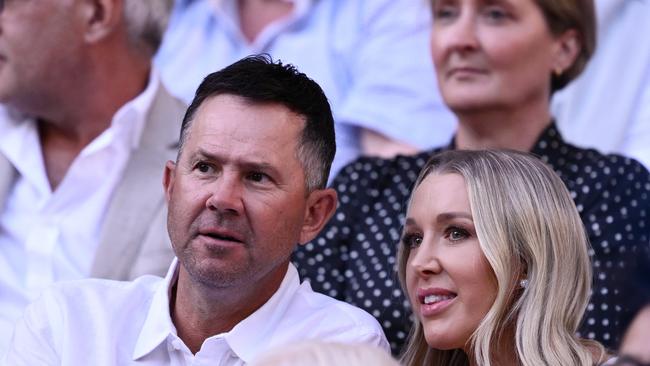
x=323, y=317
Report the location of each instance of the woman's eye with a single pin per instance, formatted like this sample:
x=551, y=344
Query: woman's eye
x=495, y=14
x=456, y=234
x=412, y=240
x=444, y=12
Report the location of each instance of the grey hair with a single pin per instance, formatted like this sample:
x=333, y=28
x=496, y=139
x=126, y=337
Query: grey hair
x=146, y=22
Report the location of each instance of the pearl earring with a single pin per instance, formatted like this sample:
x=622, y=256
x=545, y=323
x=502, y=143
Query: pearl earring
x=523, y=283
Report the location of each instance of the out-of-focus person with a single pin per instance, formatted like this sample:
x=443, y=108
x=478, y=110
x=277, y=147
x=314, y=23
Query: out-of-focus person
x=497, y=65
x=608, y=106
x=318, y=353
x=494, y=261
x=370, y=57
x=85, y=129
x=636, y=343
x=247, y=186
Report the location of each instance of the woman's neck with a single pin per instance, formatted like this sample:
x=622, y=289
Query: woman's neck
x=516, y=129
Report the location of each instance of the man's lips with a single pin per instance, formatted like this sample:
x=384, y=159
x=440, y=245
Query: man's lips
x=222, y=234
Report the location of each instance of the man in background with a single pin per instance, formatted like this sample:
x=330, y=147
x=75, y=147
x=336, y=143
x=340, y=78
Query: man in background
x=85, y=129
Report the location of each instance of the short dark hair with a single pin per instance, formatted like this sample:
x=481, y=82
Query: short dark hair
x=259, y=79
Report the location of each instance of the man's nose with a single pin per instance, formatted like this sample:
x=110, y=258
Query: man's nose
x=226, y=195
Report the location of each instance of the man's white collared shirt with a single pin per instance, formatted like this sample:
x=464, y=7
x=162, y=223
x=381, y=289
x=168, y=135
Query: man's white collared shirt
x=48, y=236
x=103, y=322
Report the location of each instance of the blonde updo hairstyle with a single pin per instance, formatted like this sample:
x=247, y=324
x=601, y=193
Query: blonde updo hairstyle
x=528, y=228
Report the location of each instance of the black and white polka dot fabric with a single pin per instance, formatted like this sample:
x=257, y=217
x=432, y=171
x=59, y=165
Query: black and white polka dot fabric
x=353, y=259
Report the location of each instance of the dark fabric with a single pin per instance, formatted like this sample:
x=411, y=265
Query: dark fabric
x=354, y=258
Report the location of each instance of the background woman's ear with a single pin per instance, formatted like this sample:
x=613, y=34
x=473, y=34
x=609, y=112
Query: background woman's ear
x=567, y=51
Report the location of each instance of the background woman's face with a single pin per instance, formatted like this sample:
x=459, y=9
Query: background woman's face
x=449, y=281
x=492, y=53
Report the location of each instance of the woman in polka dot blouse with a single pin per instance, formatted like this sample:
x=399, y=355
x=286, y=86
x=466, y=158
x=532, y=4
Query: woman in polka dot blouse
x=497, y=65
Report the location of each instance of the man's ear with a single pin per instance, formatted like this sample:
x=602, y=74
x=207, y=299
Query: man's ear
x=100, y=18
x=568, y=47
x=321, y=205
x=168, y=179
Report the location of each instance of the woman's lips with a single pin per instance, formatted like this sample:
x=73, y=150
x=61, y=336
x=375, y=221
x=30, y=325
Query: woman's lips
x=434, y=300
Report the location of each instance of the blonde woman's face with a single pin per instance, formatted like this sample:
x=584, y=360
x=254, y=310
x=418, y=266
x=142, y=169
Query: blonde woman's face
x=492, y=53
x=449, y=281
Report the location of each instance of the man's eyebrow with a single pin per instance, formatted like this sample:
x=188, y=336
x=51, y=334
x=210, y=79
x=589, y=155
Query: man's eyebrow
x=245, y=164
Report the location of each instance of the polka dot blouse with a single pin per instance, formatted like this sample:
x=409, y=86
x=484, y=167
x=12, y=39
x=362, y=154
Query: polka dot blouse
x=354, y=257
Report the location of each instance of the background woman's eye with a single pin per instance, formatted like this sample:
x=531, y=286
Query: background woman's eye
x=445, y=12
x=495, y=13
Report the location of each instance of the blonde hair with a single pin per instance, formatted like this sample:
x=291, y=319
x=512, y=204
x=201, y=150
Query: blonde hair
x=315, y=353
x=528, y=227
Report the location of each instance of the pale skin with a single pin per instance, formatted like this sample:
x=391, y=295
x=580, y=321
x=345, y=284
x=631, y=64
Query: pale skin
x=494, y=62
x=106, y=72
x=256, y=15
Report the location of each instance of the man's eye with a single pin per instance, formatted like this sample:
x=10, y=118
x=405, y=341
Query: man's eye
x=258, y=177
x=203, y=167
x=412, y=240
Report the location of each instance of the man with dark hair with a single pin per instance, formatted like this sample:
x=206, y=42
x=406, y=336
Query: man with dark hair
x=247, y=185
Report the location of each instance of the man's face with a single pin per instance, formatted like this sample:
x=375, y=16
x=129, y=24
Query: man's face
x=237, y=197
x=38, y=43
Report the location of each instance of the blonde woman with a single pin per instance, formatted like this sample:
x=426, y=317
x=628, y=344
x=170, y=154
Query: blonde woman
x=494, y=262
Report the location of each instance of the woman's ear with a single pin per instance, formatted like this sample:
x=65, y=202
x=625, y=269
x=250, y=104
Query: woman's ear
x=567, y=49
x=320, y=207
x=100, y=18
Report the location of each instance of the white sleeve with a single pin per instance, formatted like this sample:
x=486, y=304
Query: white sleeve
x=33, y=343
x=393, y=89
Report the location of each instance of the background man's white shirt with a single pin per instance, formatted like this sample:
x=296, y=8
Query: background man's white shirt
x=48, y=236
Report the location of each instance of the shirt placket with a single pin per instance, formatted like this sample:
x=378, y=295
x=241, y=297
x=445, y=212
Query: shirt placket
x=40, y=246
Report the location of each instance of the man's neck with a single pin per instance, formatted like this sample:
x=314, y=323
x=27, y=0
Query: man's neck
x=199, y=312
x=87, y=111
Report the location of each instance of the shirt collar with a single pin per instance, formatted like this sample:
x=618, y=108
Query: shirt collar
x=246, y=339
x=158, y=324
